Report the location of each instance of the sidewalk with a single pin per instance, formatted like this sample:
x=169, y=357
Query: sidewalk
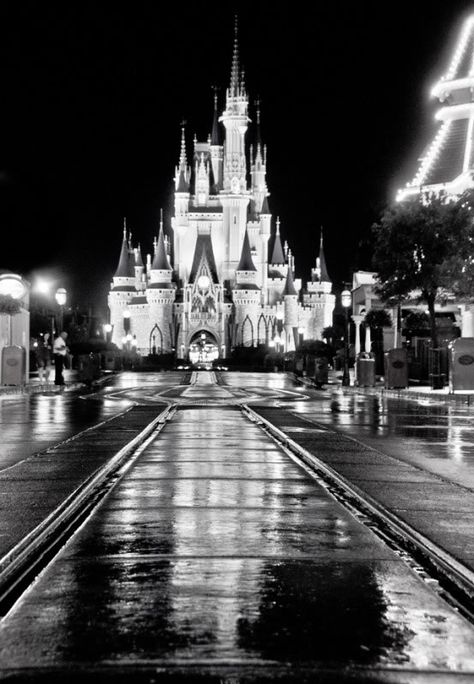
x=33, y=386
x=412, y=392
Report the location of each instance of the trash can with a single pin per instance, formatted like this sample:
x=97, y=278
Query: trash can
x=396, y=368
x=321, y=376
x=88, y=368
x=13, y=365
x=365, y=370
x=461, y=364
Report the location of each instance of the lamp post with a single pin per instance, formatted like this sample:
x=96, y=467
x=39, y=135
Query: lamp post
x=61, y=298
x=346, y=300
x=300, y=336
x=107, y=328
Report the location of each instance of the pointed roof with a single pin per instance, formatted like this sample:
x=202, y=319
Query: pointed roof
x=138, y=256
x=216, y=132
x=246, y=261
x=203, y=252
x=234, y=89
x=277, y=252
x=183, y=185
x=258, y=132
x=265, y=208
x=323, y=276
x=289, y=285
x=160, y=260
x=125, y=268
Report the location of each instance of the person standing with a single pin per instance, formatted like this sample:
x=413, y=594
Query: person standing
x=60, y=350
x=43, y=358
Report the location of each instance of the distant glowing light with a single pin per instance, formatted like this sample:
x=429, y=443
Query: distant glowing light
x=42, y=286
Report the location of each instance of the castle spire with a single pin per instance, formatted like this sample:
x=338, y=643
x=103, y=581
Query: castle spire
x=215, y=133
x=246, y=261
x=125, y=268
x=277, y=253
x=321, y=262
x=182, y=171
x=289, y=285
x=258, y=133
x=160, y=260
x=234, y=89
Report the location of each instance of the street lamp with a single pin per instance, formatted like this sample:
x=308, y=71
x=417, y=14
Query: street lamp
x=107, y=328
x=346, y=301
x=300, y=336
x=61, y=298
x=12, y=285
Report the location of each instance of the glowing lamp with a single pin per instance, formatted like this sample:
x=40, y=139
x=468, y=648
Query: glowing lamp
x=61, y=296
x=346, y=299
x=12, y=285
x=203, y=282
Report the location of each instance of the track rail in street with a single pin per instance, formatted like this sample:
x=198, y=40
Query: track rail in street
x=22, y=564
x=452, y=580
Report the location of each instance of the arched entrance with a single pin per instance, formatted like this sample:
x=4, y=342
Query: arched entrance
x=203, y=348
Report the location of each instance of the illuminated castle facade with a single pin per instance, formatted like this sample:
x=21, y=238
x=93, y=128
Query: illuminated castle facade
x=448, y=162
x=224, y=279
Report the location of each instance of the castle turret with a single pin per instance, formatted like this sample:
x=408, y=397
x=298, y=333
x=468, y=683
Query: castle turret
x=246, y=296
x=290, y=299
x=217, y=149
x=160, y=296
x=180, y=222
x=123, y=288
x=318, y=299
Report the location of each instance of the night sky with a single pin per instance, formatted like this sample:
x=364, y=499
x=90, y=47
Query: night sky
x=92, y=98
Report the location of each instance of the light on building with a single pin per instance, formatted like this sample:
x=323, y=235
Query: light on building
x=126, y=313
x=346, y=298
x=107, y=328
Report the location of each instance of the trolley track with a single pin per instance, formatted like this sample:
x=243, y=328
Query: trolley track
x=19, y=571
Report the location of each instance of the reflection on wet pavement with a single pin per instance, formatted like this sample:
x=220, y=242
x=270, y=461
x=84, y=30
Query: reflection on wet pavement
x=438, y=438
x=216, y=548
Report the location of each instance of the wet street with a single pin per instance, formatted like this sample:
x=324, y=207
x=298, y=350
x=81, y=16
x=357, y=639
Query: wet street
x=215, y=554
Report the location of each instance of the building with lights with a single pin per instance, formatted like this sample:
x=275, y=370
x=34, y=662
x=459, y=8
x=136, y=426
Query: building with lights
x=224, y=279
x=448, y=162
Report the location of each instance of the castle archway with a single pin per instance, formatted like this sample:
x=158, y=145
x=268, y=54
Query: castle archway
x=203, y=348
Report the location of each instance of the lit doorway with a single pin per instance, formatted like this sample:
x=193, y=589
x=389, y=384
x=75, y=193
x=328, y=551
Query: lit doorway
x=203, y=349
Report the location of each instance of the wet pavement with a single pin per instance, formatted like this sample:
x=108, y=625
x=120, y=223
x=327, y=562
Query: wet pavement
x=217, y=557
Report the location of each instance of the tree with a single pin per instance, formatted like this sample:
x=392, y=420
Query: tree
x=378, y=318
x=8, y=305
x=423, y=249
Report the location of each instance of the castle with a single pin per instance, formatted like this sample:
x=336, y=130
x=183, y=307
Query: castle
x=225, y=279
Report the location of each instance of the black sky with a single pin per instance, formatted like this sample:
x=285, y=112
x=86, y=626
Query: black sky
x=92, y=98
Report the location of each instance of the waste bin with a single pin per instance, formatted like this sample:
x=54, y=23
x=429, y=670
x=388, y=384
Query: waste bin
x=365, y=370
x=13, y=365
x=111, y=360
x=396, y=368
x=88, y=368
x=461, y=364
x=320, y=371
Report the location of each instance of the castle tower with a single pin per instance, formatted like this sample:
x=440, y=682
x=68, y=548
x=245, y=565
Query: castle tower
x=180, y=222
x=290, y=299
x=246, y=296
x=234, y=196
x=217, y=150
x=160, y=296
x=448, y=162
x=122, y=290
x=318, y=300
